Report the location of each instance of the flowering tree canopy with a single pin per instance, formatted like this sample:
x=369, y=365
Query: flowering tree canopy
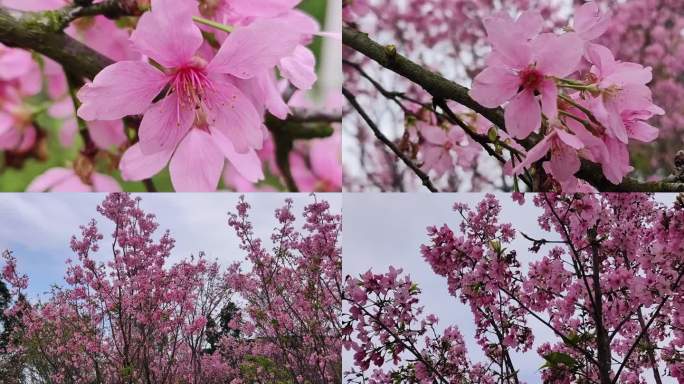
x=567, y=96
x=185, y=95
x=138, y=318
x=608, y=282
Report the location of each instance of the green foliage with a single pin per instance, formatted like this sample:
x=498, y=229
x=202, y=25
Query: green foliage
x=5, y=324
x=317, y=9
x=10, y=363
x=217, y=331
x=258, y=368
x=561, y=360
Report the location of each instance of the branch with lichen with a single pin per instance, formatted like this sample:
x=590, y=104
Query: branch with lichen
x=443, y=89
x=43, y=32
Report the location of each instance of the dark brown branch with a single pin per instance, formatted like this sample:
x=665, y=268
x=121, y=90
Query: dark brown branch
x=39, y=31
x=111, y=9
x=285, y=132
x=433, y=83
x=593, y=174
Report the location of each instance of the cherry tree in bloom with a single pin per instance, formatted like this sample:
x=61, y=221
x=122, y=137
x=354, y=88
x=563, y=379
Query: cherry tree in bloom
x=606, y=281
x=136, y=317
x=188, y=95
x=555, y=100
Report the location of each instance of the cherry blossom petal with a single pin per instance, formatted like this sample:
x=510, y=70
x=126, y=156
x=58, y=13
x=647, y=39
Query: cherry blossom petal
x=263, y=8
x=434, y=135
x=247, y=164
x=601, y=57
x=299, y=68
x=135, y=165
x=72, y=183
x=14, y=63
x=67, y=132
x=28, y=138
x=106, y=133
x=494, y=86
x=165, y=124
x=433, y=158
x=512, y=48
x=48, y=179
x=589, y=22
x=326, y=159
x=232, y=114
x=529, y=23
x=616, y=164
x=569, y=139
x=535, y=153
x=6, y=122
x=564, y=163
x=628, y=73
x=167, y=33
x=639, y=130
x=616, y=127
x=10, y=138
x=197, y=163
x=558, y=55
x=121, y=89
x=104, y=183
x=549, y=98
x=523, y=114
x=263, y=91
x=250, y=50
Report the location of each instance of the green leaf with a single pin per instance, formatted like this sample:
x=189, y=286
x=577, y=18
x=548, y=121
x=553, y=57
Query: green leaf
x=554, y=359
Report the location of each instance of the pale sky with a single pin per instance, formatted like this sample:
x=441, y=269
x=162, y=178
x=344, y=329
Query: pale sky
x=387, y=229
x=38, y=227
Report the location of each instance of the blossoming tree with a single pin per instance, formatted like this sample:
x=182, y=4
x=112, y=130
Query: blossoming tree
x=607, y=282
x=560, y=99
x=137, y=318
x=219, y=93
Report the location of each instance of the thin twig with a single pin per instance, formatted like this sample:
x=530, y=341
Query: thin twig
x=421, y=175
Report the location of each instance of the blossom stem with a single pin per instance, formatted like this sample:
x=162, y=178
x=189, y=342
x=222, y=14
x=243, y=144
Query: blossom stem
x=581, y=87
x=586, y=123
x=213, y=24
x=584, y=110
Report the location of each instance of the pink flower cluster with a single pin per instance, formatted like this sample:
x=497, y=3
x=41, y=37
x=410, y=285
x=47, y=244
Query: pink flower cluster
x=293, y=293
x=649, y=32
x=203, y=93
x=134, y=315
x=204, y=117
x=607, y=282
x=449, y=37
x=384, y=323
x=583, y=102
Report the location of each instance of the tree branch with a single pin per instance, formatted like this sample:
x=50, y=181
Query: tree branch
x=40, y=32
x=419, y=172
x=433, y=83
x=440, y=87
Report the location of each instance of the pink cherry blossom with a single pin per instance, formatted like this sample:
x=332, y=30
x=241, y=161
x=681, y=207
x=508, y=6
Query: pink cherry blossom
x=604, y=72
x=531, y=67
x=202, y=108
x=602, y=273
x=590, y=23
x=126, y=296
x=66, y=180
x=443, y=147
